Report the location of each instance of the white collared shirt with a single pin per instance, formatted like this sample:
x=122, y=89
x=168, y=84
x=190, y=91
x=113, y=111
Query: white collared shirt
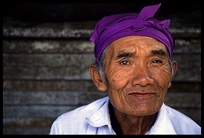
x=94, y=118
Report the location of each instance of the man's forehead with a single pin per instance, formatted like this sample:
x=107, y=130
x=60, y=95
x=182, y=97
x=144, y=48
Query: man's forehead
x=132, y=43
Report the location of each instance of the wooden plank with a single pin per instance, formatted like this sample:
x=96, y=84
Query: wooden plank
x=75, y=30
x=187, y=46
x=39, y=73
x=186, y=32
x=48, y=46
x=44, y=32
x=28, y=122
x=178, y=86
x=48, y=60
x=26, y=130
x=50, y=30
x=35, y=111
x=80, y=46
x=183, y=100
x=74, y=98
x=187, y=60
x=49, y=85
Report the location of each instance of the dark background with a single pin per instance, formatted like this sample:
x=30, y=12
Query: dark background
x=63, y=12
x=46, y=54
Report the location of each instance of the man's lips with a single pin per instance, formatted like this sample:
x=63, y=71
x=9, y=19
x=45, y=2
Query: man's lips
x=142, y=94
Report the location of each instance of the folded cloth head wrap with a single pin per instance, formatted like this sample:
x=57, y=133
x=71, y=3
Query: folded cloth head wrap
x=111, y=28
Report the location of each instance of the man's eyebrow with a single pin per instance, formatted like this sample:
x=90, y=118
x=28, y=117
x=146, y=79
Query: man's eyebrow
x=125, y=54
x=159, y=52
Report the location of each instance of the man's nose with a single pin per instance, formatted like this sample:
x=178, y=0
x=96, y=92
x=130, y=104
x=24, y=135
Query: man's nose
x=142, y=76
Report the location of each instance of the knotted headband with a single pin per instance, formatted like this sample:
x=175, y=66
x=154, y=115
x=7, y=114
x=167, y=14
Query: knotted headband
x=111, y=28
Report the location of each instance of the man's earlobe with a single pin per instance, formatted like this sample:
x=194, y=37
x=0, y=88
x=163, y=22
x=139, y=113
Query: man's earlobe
x=96, y=77
x=169, y=85
x=175, y=66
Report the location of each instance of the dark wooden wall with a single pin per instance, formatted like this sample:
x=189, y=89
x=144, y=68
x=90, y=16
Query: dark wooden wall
x=46, y=54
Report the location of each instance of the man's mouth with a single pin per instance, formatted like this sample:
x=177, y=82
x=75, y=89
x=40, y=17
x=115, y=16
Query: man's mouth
x=142, y=94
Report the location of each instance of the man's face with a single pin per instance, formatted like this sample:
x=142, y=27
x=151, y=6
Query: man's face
x=138, y=74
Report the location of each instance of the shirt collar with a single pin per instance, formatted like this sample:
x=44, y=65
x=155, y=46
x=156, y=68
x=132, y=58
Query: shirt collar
x=101, y=117
x=163, y=124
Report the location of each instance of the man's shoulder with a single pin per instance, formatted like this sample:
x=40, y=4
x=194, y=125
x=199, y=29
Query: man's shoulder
x=85, y=110
x=69, y=121
x=182, y=123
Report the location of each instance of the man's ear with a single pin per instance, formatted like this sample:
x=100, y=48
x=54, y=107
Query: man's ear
x=96, y=77
x=175, y=66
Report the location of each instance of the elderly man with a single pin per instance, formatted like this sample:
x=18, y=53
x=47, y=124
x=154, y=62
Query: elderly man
x=133, y=64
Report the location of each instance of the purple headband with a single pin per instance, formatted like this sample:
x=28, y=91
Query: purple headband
x=111, y=28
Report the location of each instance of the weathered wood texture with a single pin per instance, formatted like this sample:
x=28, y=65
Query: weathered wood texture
x=45, y=71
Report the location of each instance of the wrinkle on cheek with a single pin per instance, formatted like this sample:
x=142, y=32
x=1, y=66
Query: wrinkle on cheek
x=117, y=80
x=161, y=78
x=163, y=71
x=118, y=75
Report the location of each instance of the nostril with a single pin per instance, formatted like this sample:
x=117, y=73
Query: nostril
x=142, y=79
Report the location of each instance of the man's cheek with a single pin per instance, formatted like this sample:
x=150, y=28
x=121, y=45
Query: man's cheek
x=161, y=79
x=162, y=72
x=118, y=77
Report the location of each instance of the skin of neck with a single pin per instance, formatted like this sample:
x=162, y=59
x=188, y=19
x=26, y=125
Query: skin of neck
x=134, y=125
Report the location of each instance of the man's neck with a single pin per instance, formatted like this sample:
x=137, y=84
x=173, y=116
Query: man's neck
x=133, y=125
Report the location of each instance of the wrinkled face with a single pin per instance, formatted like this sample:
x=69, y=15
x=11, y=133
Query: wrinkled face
x=138, y=74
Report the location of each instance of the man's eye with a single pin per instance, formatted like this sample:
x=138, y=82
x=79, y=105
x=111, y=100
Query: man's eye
x=156, y=61
x=124, y=62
